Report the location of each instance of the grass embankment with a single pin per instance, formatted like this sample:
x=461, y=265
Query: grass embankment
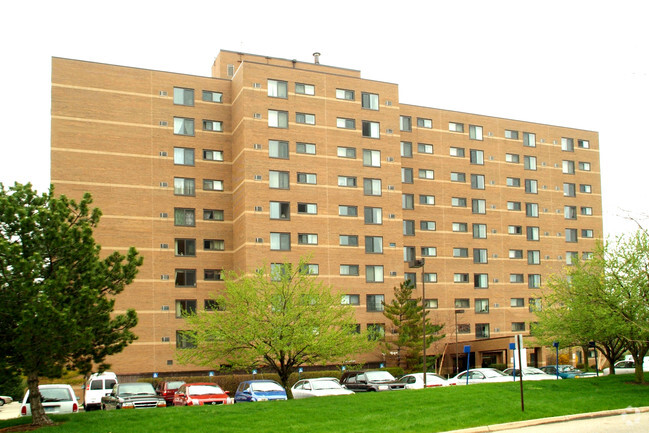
x=431, y=410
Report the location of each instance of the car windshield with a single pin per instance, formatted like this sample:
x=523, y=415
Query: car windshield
x=325, y=384
x=55, y=394
x=379, y=376
x=492, y=373
x=204, y=390
x=136, y=389
x=566, y=368
x=532, y=371
x=266, y=386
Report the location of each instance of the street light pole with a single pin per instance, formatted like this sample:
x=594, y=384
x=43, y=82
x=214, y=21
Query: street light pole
x=456, y=352
x=420, y=264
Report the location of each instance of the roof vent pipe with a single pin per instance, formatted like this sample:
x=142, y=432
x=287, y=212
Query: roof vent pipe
x=316, y=58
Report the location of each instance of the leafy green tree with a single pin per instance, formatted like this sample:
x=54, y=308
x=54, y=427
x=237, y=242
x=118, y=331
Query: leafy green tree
x=405, y=315
x=56, y=292
x=281, y=320
x=571, y=317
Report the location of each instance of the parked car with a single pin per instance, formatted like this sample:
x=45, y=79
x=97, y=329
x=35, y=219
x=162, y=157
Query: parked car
x=627, y=366
x=565, y=371
x=259, y=390
x=416, y=380
x=479, y=375
x=200, y=394
x=133, y=395
x=319, y=387
x=530, y=373
x=167, y=390
x=5, y=399
x=56, y=399
x=97, y=386
x=372, y=380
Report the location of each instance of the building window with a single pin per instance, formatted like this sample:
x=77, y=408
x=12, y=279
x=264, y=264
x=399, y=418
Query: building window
x=517, y=302
x=430, y=277
x=345, y=123
x=480, y=255
x=533, y=233
x=306, y=148
x=212, y=155
x=429, y=251
x=183, y=156
x=280, y=210
x=481, y=306
x=586, y=210
x=512, y=135
x=278, y=179
x=185, y=247
x=569, y=190
x=304, y=89
x=305, y=118
x=481, y=281
x=277, y=89
x=529, y=162
x=479, y=206
x=375, y=331
x=460, y=227
x=532, y=210
x=568, y=167
x=455, y=127
x=426, y=174
x=482, y=330
x=212, y=185
x=458, y=177
x=307, y=239
x=407, y=201
x=479, y=231
x=515, y=230
x=476, y=157
x=516, y=278
x=425, y=148
x=184, y=186
x=183, y=126
x=406, y=175
x=308, y=178
x=410, y=276
x=348, y=240
x=585, y=188
x=350, y=300
x=531, y=186
x=184, y=340
x=347, y=181
x=406, y=149
x=567, y=144
x=185, y=278
x=371, y=158
x=458, y=201
x=432, y=304
x=514, y=182
x=513, y=158
x=477, y=181
x=370, y=101
x=213, y=274
x=374, y=244
x=212, y=125
x=350, y=211
x=183, y=96
x=515, y=254
x=345, y=94
x=408, y=254
x=278, y=149
x=213, y=214
x=571, y=235
x=518, y=326
x=373, y=215
x=533, y=257
x=457, y=152
x=212, y=305
x=374, y=274
x=280, y=241
x=460, y=278
x=408, y=227
x=587, y=233
x=424, y=123
x=405, y=123
x=462, y=303
x=460, y=252
x=214, y=245
x=426, y=199
x=463, y=328
x=427, y=225
x=583, y=144
x=350, y=271
x=307, y=208
x=475, y=132
x=209, y=96
x=278, y=119
x=534, y=281
x=529, y=139
x=184, y=217
x=346, y=152
x=571, y=257
x=584, y=166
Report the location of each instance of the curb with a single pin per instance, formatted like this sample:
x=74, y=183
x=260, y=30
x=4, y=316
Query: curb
x=551, y=420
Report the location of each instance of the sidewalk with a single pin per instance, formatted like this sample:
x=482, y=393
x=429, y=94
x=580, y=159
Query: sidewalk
x=629, y=420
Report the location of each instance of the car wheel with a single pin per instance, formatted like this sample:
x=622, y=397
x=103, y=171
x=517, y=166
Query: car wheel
x=2, y=402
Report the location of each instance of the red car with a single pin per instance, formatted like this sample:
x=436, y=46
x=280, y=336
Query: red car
x=167, y=390
x=198, y=394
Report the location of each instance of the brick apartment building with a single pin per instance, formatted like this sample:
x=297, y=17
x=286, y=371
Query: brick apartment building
x=272, y=159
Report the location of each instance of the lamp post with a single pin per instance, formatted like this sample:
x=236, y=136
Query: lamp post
x=420, y=264
x=456, y=352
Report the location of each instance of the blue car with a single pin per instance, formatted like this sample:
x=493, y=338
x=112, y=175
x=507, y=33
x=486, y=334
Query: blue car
x=259, y=390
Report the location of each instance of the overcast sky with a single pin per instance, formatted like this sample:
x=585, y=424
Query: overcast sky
x=581, y=64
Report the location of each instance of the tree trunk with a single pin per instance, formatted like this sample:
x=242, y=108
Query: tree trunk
x=38, y=413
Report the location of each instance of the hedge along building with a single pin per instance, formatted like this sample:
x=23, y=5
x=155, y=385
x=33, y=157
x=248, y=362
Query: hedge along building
x=272, y=159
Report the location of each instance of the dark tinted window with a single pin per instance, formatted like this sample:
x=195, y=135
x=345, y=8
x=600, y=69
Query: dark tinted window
x=96, y=384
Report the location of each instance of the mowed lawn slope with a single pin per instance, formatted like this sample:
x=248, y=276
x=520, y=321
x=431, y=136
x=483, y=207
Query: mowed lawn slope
x=431, y=410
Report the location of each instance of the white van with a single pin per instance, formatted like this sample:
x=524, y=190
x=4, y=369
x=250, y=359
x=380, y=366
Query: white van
x=97, y=386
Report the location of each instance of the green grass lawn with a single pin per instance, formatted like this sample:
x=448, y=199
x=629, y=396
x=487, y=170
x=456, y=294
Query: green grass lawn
x=431, y=410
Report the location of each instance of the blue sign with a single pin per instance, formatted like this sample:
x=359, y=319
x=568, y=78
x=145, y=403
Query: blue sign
x=211, y=373
x=512, y=346
x=467, y=349
x=343, y=368
x=254, y=371
x=382, y=365
x=300, y=370
x=155, y=375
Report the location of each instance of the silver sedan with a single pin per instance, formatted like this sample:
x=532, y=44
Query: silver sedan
x=320, y=387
